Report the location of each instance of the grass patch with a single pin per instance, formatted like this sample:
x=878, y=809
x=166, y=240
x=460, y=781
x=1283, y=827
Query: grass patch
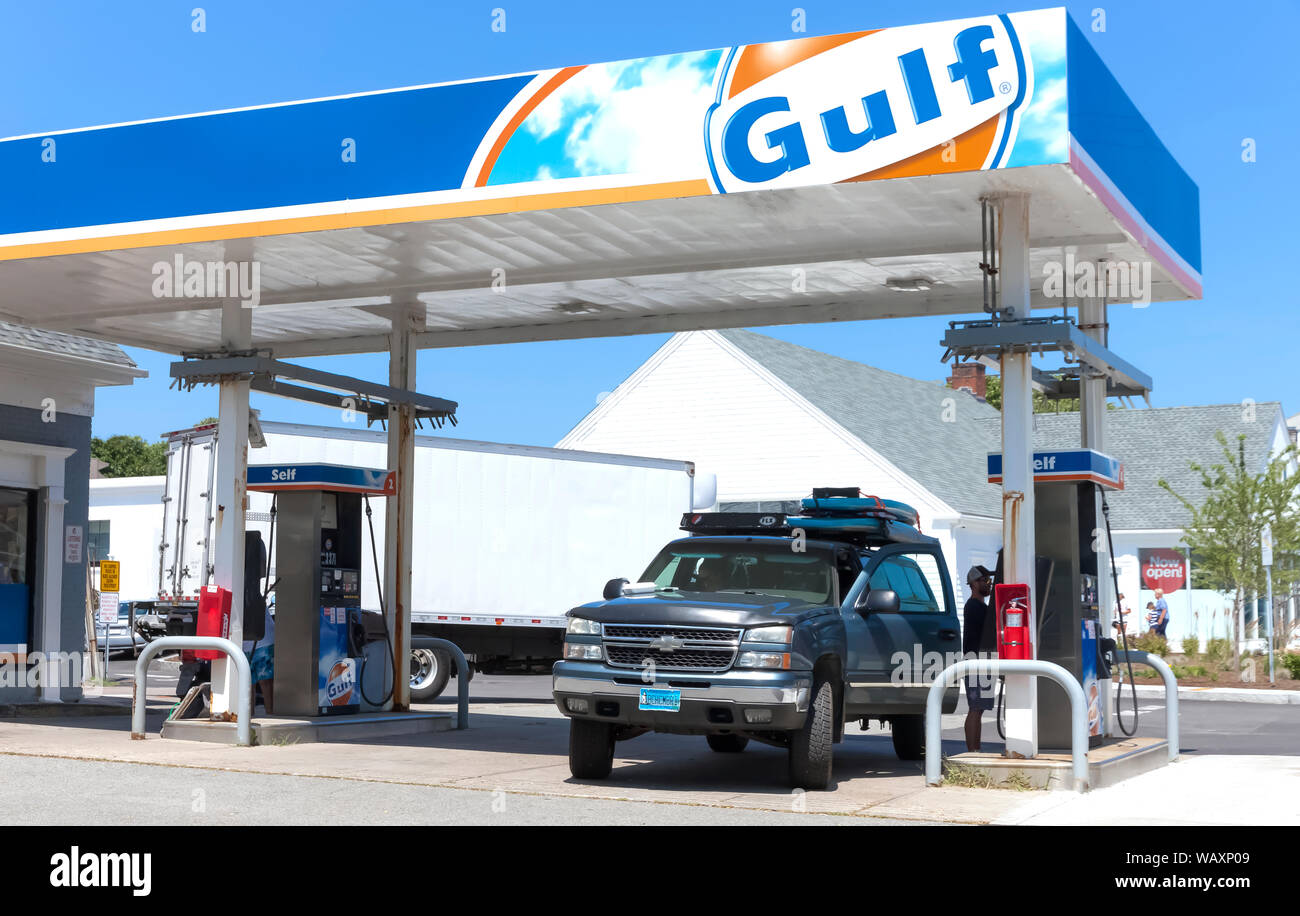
x=966, y=776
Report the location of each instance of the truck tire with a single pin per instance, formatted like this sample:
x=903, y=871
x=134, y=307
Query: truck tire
x=811, y=746
x=909, y=737
x=430, y=669
x=728, y=744
x=591, y=749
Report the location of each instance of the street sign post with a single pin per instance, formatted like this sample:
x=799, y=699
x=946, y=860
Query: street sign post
x=110, y=575
x=1266, y=555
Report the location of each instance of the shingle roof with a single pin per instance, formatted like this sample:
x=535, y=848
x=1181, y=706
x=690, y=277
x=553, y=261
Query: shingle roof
x=1160, y=442
x=901, y=418
x=20, y=335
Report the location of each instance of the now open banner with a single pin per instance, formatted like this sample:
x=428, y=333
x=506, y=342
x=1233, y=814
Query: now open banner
x=1163, y=568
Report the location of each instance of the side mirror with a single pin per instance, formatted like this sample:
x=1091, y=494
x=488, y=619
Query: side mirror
x=614, y=589
x=878, y=601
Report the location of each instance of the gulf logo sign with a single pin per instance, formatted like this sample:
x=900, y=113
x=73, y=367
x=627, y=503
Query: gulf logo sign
x=867, y=105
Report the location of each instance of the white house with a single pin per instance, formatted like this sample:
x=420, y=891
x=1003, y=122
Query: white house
x=772, y=420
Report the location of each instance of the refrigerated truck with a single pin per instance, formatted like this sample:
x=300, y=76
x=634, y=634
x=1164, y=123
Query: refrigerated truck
x=507, y=538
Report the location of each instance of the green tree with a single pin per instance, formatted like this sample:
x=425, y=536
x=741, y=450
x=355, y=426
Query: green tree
x=130, y=456
x=1042, y=403
x=1224, y=530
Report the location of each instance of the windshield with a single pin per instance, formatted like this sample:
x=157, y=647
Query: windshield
x=753, y=569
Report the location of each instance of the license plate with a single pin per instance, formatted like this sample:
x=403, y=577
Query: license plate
x=657, y=700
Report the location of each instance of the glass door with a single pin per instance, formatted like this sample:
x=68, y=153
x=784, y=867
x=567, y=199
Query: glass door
x=17, y=568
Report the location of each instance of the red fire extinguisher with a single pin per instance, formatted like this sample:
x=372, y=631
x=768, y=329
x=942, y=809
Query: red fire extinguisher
x=212, y=618
x=1014, y=640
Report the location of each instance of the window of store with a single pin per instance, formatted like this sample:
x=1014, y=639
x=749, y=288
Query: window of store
x=97, y=541
x=17, y=567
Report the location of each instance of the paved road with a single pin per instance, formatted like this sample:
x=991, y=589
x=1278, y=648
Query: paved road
x=1206, y=727
x=130, y=793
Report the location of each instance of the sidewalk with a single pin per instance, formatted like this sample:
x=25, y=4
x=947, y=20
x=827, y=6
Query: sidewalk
x=1215, y=790
x=1222, y=694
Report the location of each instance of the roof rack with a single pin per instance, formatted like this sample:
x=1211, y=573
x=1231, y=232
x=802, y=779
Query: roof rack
x=831, y=513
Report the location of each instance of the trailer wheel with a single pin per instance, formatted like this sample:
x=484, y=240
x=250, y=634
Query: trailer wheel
x=591, y=749
x=430, y=669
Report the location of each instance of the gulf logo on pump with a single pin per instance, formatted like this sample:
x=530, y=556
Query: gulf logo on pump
x=341, y=683
x=867, y=105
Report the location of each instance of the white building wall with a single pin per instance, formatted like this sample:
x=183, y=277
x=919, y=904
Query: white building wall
x=702, y=400
x=133, y=508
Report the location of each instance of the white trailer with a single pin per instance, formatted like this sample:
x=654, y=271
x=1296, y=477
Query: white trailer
x=507, y=538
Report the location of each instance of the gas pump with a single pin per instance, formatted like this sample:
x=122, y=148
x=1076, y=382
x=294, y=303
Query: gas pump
x=1068, y=533
x=321, y=642
x=1070, y=558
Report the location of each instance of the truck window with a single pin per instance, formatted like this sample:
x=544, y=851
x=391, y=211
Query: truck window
x=904, y=575
x=746, y=568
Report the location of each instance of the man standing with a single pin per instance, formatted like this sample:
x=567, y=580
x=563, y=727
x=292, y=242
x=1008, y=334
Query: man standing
x=1162, y=614
x=979, y=640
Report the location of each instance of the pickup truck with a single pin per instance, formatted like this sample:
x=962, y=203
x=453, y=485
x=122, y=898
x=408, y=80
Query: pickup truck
x=771, y=628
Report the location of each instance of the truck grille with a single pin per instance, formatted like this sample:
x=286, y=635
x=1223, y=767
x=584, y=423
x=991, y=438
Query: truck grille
x=691, y=648
x=690, y=634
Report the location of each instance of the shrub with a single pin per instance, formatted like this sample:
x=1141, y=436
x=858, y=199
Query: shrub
x=1218, y=652
x=1291, y=661
x=1150, y=642
x=1191, y=646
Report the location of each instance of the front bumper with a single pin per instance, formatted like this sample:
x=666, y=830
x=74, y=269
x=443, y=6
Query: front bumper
x=710, y=703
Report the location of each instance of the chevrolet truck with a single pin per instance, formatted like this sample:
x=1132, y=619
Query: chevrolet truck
x=770, y=628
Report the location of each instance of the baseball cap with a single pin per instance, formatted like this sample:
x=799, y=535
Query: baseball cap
x=978, y=572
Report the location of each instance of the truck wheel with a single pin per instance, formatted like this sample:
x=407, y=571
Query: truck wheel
x=591, y=749
x=430, y=669
x=728, y=744
x=909, y=737
x=811, y=746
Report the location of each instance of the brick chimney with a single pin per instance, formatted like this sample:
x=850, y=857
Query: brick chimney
x=968, y=376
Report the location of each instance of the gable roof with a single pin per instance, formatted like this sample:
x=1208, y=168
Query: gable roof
x=23, y=337
x=1161, y=442
x=906, y=420
x=903, y=419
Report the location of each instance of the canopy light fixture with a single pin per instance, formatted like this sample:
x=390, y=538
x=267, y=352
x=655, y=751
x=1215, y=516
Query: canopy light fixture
x=910, y=284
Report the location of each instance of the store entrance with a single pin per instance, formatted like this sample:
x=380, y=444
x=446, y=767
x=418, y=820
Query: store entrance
x=17, y=569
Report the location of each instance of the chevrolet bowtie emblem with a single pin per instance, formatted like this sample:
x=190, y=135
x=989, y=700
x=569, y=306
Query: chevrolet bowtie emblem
x=666, y=643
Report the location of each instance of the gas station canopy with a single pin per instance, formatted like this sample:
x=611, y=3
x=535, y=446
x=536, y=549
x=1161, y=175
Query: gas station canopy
x=602, y=199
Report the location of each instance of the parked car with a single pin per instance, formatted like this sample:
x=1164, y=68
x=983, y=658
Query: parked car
x=120, y=636
x=766, y=628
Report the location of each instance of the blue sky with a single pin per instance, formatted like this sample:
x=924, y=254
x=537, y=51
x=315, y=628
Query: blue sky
x=1205, y=75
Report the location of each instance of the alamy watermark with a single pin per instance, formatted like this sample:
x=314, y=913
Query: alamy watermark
x=47, y=669
x=182, y=279
x=1118, y=281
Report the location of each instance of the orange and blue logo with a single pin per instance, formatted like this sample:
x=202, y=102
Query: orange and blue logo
x=883, y=104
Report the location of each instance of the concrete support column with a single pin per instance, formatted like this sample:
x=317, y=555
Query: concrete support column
x=231, y=496
x=51, y=581
x=1021, y=696
x=1092, y=434
x=398, y=527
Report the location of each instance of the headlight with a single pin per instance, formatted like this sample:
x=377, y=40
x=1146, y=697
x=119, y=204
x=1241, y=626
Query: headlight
x=584, y=626
x=583, y=652
x=780, y=660
x=769, y=634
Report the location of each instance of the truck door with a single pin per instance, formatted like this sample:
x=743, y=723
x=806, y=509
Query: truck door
x=889, y=652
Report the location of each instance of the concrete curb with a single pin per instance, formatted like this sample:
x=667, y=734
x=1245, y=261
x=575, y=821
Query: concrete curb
x=1222, y=694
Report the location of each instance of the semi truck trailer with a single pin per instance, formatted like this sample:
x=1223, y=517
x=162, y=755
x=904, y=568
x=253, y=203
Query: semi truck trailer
x=507, y=538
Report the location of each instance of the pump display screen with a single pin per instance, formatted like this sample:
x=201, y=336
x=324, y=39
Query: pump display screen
x=341, y=583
